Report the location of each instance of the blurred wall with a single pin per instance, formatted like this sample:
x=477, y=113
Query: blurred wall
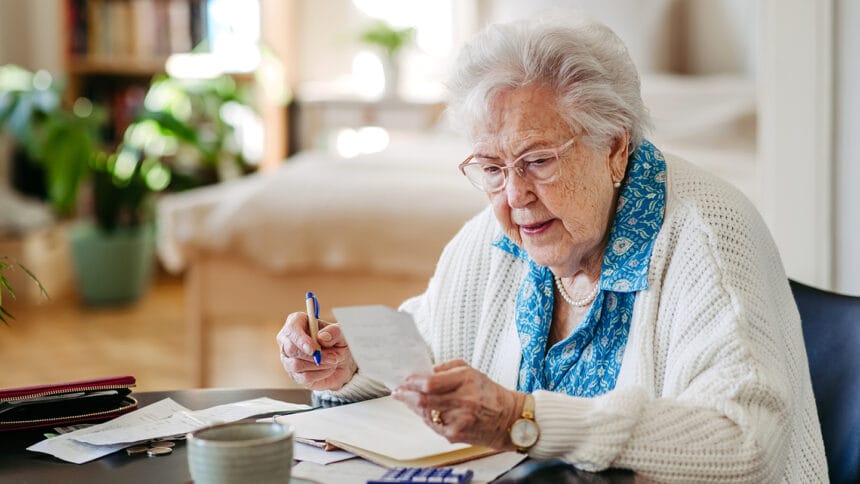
x=679, y=36
x=721, y=37
x=326, y=39
x=29, y=34
x=847, y=148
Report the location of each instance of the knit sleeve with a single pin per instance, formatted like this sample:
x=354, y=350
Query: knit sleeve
x=357, y=389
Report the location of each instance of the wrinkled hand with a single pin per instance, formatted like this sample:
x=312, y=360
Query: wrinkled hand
x=296, y=346
x=471, y=407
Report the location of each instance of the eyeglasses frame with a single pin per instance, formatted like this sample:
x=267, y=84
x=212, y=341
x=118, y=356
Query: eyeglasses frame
x=517, y=166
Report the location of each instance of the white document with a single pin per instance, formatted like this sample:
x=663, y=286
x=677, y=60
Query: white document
x=487, y=469
x=353, y=471
x=304, y=452
x=183, y=422
x=65, y=446
x=385, y=343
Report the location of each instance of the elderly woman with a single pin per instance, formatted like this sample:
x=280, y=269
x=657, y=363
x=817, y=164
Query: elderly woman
x=614, y=307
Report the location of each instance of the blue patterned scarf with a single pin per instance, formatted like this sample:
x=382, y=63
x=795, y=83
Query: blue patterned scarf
x=587, y=362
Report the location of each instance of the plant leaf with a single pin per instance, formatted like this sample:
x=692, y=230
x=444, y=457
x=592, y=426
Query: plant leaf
x=5, y=314
x=68, y=147
x=35, y=279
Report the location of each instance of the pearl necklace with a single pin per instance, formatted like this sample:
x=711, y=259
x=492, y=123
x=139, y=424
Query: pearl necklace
x=579, y=303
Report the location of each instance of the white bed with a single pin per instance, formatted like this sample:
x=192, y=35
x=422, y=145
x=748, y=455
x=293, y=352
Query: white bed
x=369, y=229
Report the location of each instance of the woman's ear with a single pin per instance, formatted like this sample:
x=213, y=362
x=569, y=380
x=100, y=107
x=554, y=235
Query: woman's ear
x=618, y=156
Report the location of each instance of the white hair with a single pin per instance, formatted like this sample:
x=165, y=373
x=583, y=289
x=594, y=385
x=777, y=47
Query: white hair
x=583, y=62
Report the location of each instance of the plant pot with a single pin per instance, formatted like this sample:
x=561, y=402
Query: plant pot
x=112, y=268
x=391, y=72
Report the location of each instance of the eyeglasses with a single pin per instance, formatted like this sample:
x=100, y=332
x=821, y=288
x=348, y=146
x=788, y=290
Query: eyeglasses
x=539, y=166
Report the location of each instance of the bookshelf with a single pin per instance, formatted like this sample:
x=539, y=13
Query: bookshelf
x=113, y=49
x=147, y=30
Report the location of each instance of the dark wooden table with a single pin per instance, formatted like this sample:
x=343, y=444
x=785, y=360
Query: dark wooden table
x=19, y=466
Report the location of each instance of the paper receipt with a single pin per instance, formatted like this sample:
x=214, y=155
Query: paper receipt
x=385, y=343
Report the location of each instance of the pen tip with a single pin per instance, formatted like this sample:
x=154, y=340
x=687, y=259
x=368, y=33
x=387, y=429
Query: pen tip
x=309, y=295
x=317, y=357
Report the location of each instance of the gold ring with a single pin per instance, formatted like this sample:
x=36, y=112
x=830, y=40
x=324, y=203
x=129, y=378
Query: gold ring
x=436, y=417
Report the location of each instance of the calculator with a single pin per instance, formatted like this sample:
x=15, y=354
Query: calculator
x=424, y=474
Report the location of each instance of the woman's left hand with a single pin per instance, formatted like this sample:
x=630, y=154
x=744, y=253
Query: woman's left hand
x=468, y=406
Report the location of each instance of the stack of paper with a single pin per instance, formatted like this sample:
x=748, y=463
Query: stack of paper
x=383, y=431
x=161, y=419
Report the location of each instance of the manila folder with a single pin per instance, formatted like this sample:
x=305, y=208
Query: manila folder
x=384, y=431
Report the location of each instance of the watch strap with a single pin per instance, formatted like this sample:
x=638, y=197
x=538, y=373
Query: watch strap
x=528, y=407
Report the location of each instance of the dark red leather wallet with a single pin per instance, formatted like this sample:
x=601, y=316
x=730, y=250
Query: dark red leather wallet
x=66, y=403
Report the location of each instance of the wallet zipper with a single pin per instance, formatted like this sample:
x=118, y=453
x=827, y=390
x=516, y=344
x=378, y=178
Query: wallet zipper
x=75, y=417
x=64, y=390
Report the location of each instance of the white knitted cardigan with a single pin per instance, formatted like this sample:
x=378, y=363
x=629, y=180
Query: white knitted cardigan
x=714, y=384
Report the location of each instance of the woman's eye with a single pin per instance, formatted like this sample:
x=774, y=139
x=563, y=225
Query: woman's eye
x=537, y=159
x=491, y=169
x=538, y=164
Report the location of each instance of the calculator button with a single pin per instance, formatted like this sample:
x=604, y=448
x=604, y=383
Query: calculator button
x=424, y=475
x=440, y=475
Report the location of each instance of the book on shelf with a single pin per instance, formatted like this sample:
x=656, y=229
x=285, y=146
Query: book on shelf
x=144, y=38
x=77, y=27
x=179, y=16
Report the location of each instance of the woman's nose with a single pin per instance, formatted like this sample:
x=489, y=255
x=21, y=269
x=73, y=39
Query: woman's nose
x=518, y=189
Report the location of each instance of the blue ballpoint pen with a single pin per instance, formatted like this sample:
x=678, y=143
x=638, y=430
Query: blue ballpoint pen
x=313, y=309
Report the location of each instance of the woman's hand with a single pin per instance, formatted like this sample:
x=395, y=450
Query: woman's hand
x=471, y=407
x=297, y=347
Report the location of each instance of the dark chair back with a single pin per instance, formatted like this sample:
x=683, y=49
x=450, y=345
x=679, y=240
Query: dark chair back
x=831, y=331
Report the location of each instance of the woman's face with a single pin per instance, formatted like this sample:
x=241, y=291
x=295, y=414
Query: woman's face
x=563, y=224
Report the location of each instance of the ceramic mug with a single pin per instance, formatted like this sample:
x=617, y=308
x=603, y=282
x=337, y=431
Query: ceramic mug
x=241, y=452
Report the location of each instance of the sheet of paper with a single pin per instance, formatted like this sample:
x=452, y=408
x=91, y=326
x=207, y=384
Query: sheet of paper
x=65, y=446
x=486, y=469
x=382, y=425
x=304, y=452
x=384, y=342
x=348, y=471
x=187, y=421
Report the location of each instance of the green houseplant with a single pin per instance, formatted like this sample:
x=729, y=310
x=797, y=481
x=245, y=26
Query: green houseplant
x=179, y=140
x=112, y=254
x=183, y=138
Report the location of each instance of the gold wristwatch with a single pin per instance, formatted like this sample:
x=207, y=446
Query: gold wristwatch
x=525, y=431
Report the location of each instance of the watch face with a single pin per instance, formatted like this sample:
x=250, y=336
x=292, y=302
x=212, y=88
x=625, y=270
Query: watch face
x=524, y=433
